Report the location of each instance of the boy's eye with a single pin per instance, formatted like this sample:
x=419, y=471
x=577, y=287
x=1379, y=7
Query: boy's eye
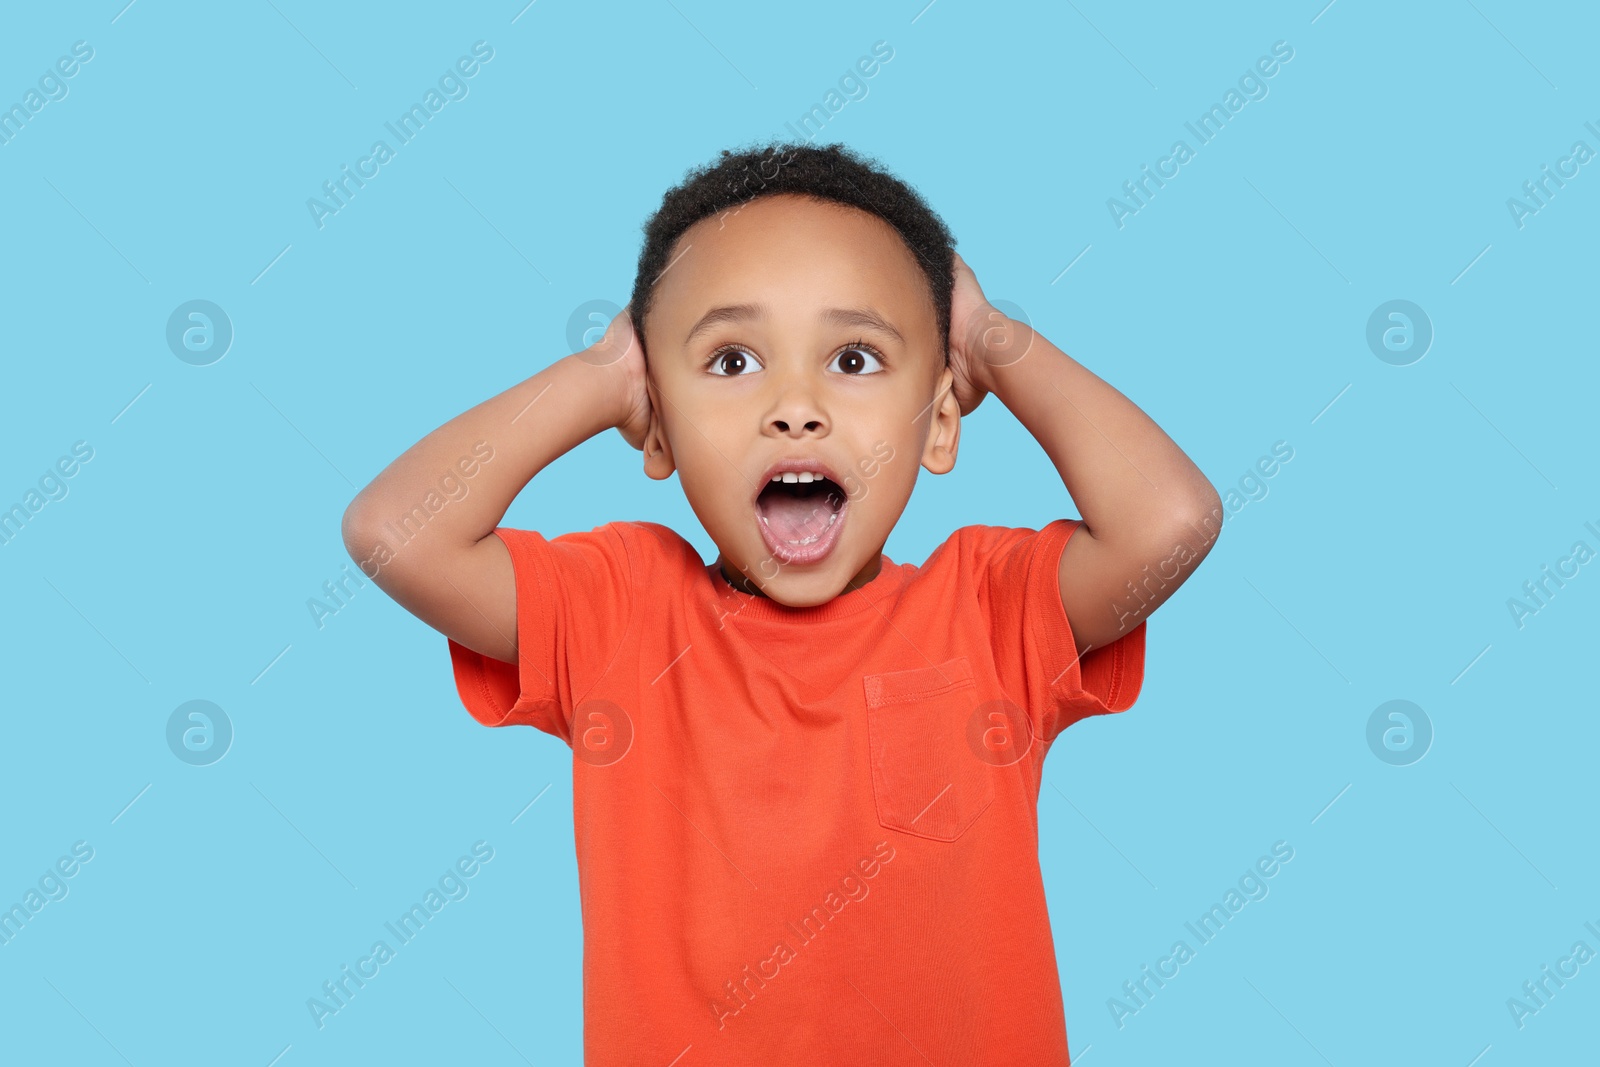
x=857, y=359
x=854, y=360
x=731, y=363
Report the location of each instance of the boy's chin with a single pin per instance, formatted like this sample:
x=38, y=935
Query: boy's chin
x=794, y=586
x=805, y=591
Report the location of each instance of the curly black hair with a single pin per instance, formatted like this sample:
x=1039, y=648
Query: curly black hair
x=823, y=172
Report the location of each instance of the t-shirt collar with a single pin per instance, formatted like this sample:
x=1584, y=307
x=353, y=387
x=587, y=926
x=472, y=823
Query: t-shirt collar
x=883, y=585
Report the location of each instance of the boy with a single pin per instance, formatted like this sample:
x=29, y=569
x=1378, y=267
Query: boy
x=804, y=776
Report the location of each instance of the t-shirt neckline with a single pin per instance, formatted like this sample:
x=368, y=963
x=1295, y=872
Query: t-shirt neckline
x=883, y=586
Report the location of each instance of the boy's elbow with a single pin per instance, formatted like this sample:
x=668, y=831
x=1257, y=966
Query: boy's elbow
x=1200, y=523
x=372, y=549
x=358, y=530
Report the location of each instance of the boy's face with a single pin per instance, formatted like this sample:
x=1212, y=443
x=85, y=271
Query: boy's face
x=785, y=375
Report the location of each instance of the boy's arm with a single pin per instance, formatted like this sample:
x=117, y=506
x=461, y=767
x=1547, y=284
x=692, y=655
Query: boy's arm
x=453, y=573
x=1149, y=514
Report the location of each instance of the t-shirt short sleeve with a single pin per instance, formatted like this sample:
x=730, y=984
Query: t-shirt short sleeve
x=574, y=603
x=1020, y=589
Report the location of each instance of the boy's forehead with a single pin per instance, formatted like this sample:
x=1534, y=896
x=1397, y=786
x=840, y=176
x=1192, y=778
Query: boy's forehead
x=789, y=252
x=787, y=220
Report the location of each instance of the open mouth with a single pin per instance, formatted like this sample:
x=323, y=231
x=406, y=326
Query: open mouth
x=800, y=516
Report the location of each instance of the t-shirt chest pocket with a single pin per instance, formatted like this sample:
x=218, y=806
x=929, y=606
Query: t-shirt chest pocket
x=925, y=778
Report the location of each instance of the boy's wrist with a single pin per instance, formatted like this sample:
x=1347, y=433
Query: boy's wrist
x=604, y=386
x=994, y=341
x=616, y=362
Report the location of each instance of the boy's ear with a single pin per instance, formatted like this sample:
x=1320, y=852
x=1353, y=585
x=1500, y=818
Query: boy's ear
x=944, y=428
x=658, y=462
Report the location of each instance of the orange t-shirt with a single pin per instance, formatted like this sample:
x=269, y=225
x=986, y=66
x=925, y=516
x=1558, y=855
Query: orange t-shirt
x=805, y=835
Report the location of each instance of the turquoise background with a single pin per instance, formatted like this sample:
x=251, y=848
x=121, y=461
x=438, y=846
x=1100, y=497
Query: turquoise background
x=1233, y=308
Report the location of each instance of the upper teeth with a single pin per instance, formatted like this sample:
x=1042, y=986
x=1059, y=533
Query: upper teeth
x=797, y=476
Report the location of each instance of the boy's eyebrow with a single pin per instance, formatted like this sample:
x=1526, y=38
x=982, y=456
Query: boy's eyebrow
x=864, y=318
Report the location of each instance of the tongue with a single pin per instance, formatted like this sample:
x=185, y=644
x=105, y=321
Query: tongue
x=793, y=518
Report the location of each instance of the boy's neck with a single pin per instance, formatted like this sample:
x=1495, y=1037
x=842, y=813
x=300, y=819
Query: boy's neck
x=743, y=583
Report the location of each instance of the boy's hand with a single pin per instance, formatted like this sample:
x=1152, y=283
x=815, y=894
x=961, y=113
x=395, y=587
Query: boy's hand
x=620, y=349
x=981, y=338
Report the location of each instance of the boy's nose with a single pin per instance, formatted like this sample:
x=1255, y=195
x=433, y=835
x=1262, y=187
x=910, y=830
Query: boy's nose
x=796, y=412
x=811, y=426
